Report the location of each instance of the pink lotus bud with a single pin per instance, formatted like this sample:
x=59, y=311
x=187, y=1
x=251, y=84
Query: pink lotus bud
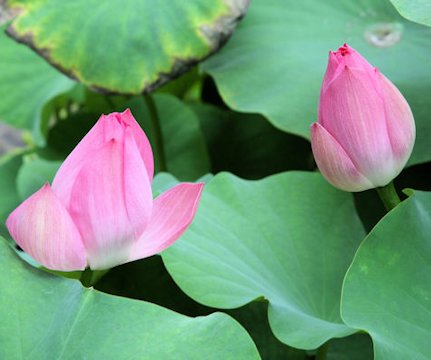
x=100, y=210
x=365, y=131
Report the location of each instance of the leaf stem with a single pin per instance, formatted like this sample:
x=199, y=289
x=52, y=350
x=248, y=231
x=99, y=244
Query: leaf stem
x=389, y=196
x=157, y=134
x=322, y=351
x=87, y=277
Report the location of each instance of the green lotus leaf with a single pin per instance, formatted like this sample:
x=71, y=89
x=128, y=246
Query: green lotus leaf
x=27, y=84
x=414, y=10
x=123, y=47
x=288, y=238
x=387, y=290
x=46, y=316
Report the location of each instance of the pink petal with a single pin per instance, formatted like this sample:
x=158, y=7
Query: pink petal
x=43, y=228
x=353, y=113
x=138, y=194
x=111, y=202
x=334, y=163
x=330, y=69
x=399, y=121
x=108, y=127
x=173, y=211
x=66, y=174
x=141, y=141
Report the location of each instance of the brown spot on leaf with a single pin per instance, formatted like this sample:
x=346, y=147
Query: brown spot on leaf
x=220, y=31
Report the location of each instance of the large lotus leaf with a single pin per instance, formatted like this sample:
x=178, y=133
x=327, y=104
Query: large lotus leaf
x=27, y=83
x=415, y=10
x=387, y=290
x=289, y=238
x=275, y=61
x=148, y=280
x=45, y=316
x=125, y=47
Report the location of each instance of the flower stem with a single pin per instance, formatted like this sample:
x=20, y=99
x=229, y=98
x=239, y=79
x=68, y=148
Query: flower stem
x=322, y=351
x=389, y=196
x=157, y=134
x=86, y=277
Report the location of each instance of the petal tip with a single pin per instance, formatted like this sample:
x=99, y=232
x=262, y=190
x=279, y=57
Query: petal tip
x=127, y=112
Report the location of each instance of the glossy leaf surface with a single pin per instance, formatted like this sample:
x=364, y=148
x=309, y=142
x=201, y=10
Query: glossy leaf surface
x=387, y=290
x=67, y=321
x=273, y=238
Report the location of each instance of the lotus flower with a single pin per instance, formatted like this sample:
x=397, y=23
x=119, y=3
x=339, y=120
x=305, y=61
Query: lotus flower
x=99, y=211
x=365, y=130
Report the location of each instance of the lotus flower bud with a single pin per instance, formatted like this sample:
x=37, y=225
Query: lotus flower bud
x=100, y=211
x=365, y=130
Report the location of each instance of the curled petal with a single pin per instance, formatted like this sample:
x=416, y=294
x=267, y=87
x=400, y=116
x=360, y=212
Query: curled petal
x=138, y=195
x=141, y=141
x=173, y=211
x=111, y=202
x=91, y=143
x=43, y=228
x=330, y=69
x=334, y=163
x=399, y=120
